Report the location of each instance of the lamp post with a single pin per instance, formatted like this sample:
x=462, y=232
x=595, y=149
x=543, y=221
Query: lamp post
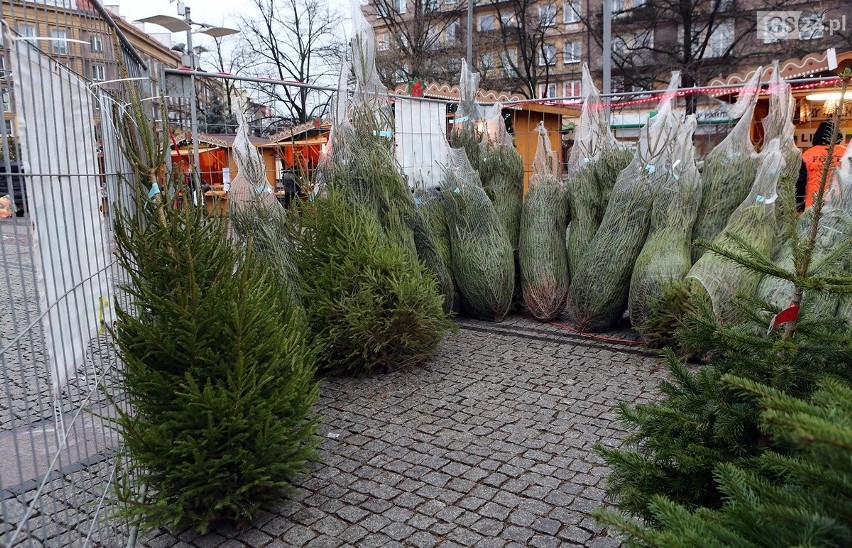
x=176, y=25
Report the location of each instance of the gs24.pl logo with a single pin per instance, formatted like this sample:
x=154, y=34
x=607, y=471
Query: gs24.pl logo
x=774, y=26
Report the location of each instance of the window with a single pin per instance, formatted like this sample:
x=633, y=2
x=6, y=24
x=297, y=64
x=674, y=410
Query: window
x=487, y=22
x=98, y=73
x=27, y=31
x=721, y=39
x=454, y=65
x=547, y=15
x=571, y=88
x=433, y=39
x=401, y=5
x=7, y=103
x=571, y=53
x=9, y=128
x=60, y=44
x=2, y=66
x=617, y=6
x=431, y=5
x=509, y=60
x=486, y=60
x=453, y=33
x=508, y=19
x=548, y=55
x=811, y=26
x=619, y=46
x=571, y=12
x=382, y=8
x=546, y=91
x=97, y=43
x=399, y=76
x=382, y=42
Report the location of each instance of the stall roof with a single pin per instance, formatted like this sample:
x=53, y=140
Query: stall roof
x=301, y=132
x=446, y=91
x=226, y=140
x=796, y=67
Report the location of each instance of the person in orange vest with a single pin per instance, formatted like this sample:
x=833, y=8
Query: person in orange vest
x=813, y=161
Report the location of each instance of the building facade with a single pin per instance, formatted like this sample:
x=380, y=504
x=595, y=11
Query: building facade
x=537, y=47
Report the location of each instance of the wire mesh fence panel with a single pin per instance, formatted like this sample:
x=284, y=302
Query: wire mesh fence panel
x=59, y=458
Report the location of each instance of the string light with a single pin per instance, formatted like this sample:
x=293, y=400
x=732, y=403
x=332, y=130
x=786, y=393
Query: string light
x=708, y=90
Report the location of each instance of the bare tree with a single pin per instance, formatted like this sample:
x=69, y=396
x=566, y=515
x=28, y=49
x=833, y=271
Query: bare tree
x=295, y=40
x=701, y=38
x=418, y=39
x=518, y=33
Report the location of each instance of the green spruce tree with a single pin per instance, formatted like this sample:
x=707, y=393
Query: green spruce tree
x=702, y=423
x=217, y=369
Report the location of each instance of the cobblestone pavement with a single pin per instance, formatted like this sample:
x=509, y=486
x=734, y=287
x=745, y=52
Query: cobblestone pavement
x=489, y=444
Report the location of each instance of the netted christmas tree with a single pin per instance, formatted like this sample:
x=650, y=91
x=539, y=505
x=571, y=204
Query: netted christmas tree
x=681, y=460
x=598, y=294
x=667, y=254
x=469, y=122
x=542, y=253
x=719, y=280
x=594, y=163
x=483, y=262
x=256, y=217
x=729, y=169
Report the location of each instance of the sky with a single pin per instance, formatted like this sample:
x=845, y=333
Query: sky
x=213, y=12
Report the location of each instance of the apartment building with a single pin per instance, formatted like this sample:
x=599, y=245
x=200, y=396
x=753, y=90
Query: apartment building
x=537, y=47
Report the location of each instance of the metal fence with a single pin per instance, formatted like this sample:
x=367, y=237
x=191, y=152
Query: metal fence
x=62, y=82
x=59, y=458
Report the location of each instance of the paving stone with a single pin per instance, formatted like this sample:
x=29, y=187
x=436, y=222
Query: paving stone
x=398, y=531
x=488, y=527
x=299, y=535
x=422, y=539
x=547, y=526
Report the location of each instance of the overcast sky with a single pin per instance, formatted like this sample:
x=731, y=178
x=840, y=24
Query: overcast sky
x=214, y=12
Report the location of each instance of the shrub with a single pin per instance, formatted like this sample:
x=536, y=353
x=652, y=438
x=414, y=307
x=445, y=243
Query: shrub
x=217, y=370
x=371, y=306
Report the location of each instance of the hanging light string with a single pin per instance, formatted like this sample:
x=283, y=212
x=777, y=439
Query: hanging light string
x=706, y=90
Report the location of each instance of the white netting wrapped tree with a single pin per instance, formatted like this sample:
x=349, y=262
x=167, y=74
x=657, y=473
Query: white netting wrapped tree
x=468, y=121
x=729, y=169
x=721, y=280
x=841, y=193
x=501, y=170
x=483, y=263
x=361, y=164
x=600, y=284
x=594, y=163
x=542, y=254
x=667, y=254
x=250, y=185
x=256, y=216
x=778, y=123
x=835, y=228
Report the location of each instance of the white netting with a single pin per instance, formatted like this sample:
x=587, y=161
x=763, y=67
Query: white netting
x=778, y=123
x=469, y=110
x=483, y=264
x=667, y=254
x=468, y=124
x=729, y=170
x=541, y=250
x=250, y=186
x=501, y=170
x=593, y=136
x=369, y=88
x=594, y=163
x=754, y=222
x=600, y=283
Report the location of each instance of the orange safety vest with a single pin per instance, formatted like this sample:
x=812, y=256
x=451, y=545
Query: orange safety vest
x=814, y=160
